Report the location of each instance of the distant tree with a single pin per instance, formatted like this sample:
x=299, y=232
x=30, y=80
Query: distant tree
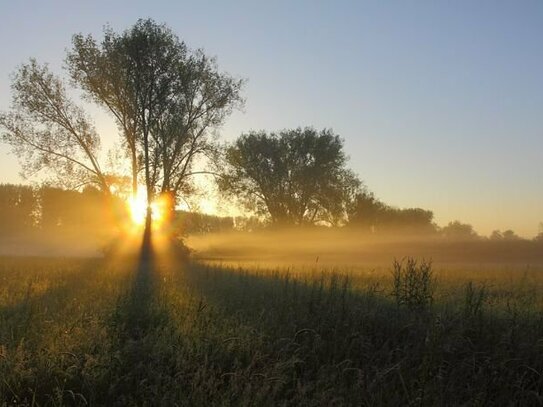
x=510, y=235
x=294, y=176
x=249, y=223
x=507, y=235
x=371, y=214
x=199, y=223
x=46, y=130
x=18, y=209
x=459, y=231
x=539, y=236
x=57, y=207
x=366, y=211
x=496, y=235
x=69, y=210
x=410, y=220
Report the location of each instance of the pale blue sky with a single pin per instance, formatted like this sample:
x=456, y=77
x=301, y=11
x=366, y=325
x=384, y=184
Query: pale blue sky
x=440, y=102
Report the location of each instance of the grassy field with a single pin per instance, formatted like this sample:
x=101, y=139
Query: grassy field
x=119, y=332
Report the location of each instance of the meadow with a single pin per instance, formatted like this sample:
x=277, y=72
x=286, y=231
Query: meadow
x=119, y=331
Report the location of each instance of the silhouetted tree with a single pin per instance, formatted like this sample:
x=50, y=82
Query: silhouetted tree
x=366, y=211
x=459, y=231
x=249, y=223
x=510, y=235
x=166, y=99
x=539, y=236
x=55, y=207
x=496, y=235
x=507, y=235
x=294, y=176
x=18, y=208
x=103, y=72
x=369, y=213
x=414, y=220
x=198, y=223
x=46, y=130
x=69, y=210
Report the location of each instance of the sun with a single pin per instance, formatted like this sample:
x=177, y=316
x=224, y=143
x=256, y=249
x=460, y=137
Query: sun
x=137, y=206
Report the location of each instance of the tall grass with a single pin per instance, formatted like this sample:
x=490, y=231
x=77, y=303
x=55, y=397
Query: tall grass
x=89, y=332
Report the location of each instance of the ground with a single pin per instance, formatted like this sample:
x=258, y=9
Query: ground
x=158, y=330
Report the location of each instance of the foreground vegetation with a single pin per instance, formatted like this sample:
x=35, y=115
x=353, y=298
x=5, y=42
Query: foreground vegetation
x=120, y=332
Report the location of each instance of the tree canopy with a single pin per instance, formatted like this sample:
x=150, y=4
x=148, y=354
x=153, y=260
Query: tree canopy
x=296, y=176
x=47, y=130
x=165, y=98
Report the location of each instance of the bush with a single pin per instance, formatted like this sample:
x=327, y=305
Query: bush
x=413, y=283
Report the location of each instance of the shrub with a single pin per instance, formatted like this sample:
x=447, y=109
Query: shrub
x=413, y=283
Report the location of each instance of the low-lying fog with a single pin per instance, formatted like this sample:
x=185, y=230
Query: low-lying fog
x=343, y=246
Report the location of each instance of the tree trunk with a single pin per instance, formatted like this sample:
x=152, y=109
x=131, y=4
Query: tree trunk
x=134, y=172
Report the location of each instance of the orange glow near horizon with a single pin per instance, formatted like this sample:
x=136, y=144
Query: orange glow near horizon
x=137, y=206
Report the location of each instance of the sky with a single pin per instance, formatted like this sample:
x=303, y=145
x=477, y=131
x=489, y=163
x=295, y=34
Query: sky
x=440, y=103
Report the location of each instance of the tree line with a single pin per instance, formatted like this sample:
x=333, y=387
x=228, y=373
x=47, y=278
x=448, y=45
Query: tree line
x=24, y=209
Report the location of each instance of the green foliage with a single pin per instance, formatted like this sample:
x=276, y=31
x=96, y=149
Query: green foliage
x=294, y=176
x=413, y=284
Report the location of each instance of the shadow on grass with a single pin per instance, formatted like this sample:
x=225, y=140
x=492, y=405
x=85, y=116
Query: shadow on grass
x=136, y=328
x=355, y=346
x=137, y=307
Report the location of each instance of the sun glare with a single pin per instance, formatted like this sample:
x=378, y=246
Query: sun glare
x=138, y=208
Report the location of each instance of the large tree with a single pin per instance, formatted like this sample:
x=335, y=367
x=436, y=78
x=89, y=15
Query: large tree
x=165, y=98
x=294, y=176
x=47, y=130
